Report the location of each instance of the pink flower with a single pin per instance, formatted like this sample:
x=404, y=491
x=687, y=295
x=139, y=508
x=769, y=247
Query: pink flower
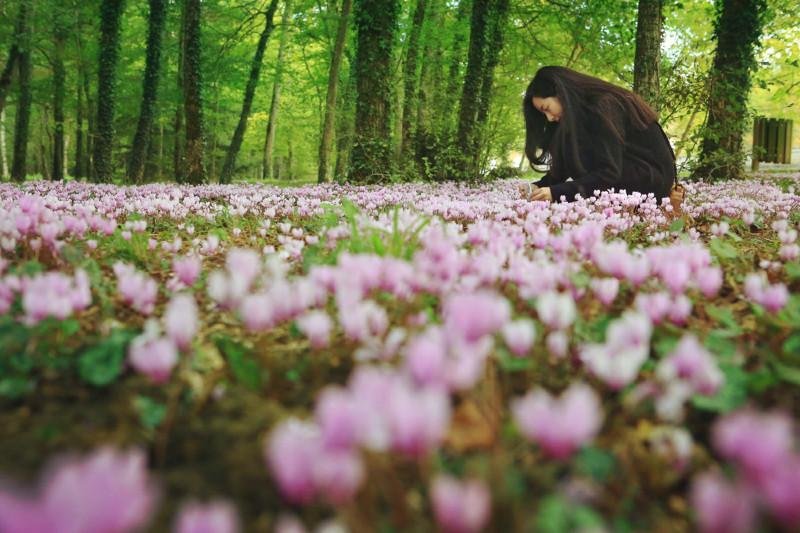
x=257, y=312
x=618, y=360
x=180, y=320
x=782, y=493
x=519, y=336
x=557, y=343
x=417, y=419
x=137, y=289
x=213, y=517
x=473, y=315
x=338, y=474
x=722, y=507
x=363, y=320
x=556, y=310
x=789, y=252
x=244, y=264
x=559, y=425
x=316, y=325
x=691, y=362
x=152, y=356
x=426, y=357
x=676, y=277
x=290, y=454
x=709, y=281
x=460, y=506
x=605, y=289
x=187, y=269
x=774, y=297
x=680, y=309
x=339, y=418
x=655, y=305
x=760, y=442
x=104, y=491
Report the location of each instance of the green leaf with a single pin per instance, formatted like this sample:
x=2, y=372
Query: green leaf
x=719, y=343
x=724, y=316
x=511, y=363
x=151, y=412
x=102, y=364
x=15, y=387
x=732, y=394
x=597, y=463
x=789, y=374
x=552, y=516
x=677, y=225
x=791, y=346
x=70, y=327
x=793, y=270
x=723, y=249
x=245, y=369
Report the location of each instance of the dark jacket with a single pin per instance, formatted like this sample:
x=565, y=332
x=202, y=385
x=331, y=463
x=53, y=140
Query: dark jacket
x=642, y=162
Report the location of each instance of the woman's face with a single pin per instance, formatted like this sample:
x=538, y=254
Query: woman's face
x=550, y=107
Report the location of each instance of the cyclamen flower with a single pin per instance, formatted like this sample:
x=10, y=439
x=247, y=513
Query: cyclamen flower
x=782, y=493
x=691, y=362
x=618, y=360
x=136, y=288
x=771, y=297
x=187, y=269
x=605, y=290
x=107, y=490
x=473, y=315
x=417, y=419
x=213, y=517
x=760, y=442
x=557, y=343
x=709, y=281
x=722, y=506
x=316, y=325
x=519, y=336
x=180, y=320
x=152, y=355
x=556, y=310
x=559, y=425
x=460, y=506
x=53, y=294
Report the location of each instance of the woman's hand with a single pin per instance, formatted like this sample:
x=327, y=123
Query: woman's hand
x=541, y=193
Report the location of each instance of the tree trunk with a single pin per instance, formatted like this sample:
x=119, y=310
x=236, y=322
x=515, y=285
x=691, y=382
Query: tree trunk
x=272, y=122
x=141, y=139
x=326, y=141
x=345, y=128
x=3, y=155
x=229, y=167
x=738, y=30
x=177, y=124
x=193, y=99
x=445, y=99
x=90, y=131
x=23, y=112
x=649, y=29
x=59, y=75
x=79, y=170
x=496, y=26
x=110, y=18
x=371, y=157
x=13, y=52
x=411, y=82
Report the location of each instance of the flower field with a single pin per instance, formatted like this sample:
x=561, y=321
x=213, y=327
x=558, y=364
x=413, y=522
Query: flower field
x=399, y=358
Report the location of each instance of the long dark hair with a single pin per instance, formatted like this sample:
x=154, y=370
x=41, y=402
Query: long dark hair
x=556, y=143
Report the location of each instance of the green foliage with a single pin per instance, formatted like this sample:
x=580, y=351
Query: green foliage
x=151, y=412
x=102, y=364
x=596, y=463
x=732, y=394
x=557, y=515
x=243, y=365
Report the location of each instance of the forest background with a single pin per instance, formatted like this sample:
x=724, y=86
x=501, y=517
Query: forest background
x=215, y=90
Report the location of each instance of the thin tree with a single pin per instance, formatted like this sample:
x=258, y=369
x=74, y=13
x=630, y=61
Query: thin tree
x=144, y=127
x=177, y=123
x=110, y=17
x=3, y=156
x=411, y=81
x=229, y=165
x=649, y=32
x=376, y=23
x=280, y=66
x=326, y=139
x=59, y=76
x=737, y=32
x=485, y=41
x=23, y=112
x=13, y=53
x=192, y=99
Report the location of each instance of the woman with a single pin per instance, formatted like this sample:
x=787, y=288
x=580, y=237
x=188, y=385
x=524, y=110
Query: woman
x=600, y=135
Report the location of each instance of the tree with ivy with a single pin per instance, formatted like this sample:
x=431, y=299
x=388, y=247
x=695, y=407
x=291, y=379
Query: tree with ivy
x=649, y=31
x=737, y=32
x=195, y=169
x=110, y=16
x=22, y=36
x=144, y=126
x=371, y=157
